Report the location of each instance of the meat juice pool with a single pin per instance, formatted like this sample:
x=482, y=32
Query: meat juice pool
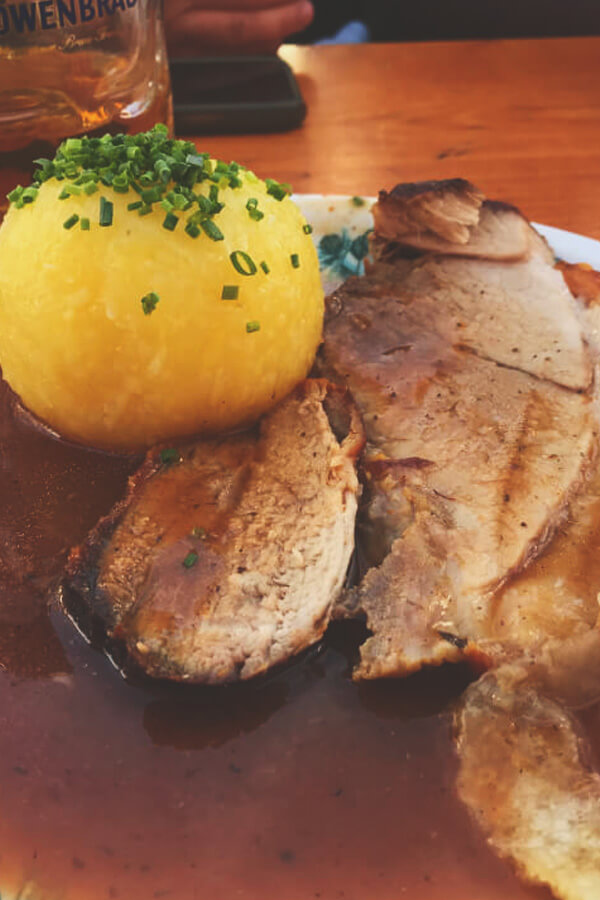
x=302, y=786
x=73, y=67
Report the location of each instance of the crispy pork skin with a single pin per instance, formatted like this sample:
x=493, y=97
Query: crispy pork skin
x=453, y=218
x=441, y=210
x=478, y=437
x=228, y=560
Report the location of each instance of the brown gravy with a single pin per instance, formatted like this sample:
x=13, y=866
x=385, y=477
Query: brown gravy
x=300, y=786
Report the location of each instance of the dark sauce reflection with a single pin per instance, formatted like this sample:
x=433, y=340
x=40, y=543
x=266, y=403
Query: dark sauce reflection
x=302, y=785
x=192, y=718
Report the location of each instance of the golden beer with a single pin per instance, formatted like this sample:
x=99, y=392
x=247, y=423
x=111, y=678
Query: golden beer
x=72, y=67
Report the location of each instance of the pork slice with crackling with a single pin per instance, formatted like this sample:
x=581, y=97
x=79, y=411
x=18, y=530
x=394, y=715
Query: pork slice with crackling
x=470, y=462
x=452, y=217
x=445, y=211
x=227, y=562
x=525, y=770
x=512, y=306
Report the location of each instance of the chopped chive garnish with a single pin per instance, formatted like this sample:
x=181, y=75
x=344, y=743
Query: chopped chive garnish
x=252, y=326
x=230, y=292
x=242, y=262
x=29, y=194
x=170, y=221
x=295, y=260
x=265, y=267
x=106, y=212
x=190, y=560
x=161, y=170
x=151, y=195
x=120, y=184
x=72, y=220
x=358, y=201
x=193, y=159
x=169, y=455
x=179, y=201
x=85, y=224
x=307, y=229
x=212, y=230
x=192, y=229
x=199, y=532
x=15, y=195
x=253, y=210
x=277, y=190
x=149, y=302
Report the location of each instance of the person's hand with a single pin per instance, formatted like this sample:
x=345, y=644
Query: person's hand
x=214, y=27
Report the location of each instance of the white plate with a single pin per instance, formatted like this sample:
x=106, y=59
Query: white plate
x=346, y=221
x=571, y=247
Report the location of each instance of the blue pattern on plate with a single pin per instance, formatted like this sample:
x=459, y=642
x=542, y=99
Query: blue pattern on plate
x=343, y=255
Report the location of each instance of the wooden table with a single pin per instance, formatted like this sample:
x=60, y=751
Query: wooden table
x=519, y=118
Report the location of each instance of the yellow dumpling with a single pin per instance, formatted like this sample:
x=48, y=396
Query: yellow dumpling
x=123, y=334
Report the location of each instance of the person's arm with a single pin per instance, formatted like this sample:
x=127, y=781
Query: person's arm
x=214, y=27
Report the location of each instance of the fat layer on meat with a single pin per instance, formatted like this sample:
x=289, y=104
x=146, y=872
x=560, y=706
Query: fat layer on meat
x=228, y=562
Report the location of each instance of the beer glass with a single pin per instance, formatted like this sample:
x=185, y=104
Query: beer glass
x=72, y=67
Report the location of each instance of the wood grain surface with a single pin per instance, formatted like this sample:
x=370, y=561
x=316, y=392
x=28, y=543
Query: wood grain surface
x=520, y=118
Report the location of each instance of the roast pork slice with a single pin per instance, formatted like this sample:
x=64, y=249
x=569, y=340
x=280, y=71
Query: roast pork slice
x=469, y=467
x=554, y=603
x=518, y=314
x=525, y=775
x=451, y=217
x=227, y=555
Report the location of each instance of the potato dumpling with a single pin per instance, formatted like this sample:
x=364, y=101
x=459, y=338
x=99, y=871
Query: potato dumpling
x=120, y=335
